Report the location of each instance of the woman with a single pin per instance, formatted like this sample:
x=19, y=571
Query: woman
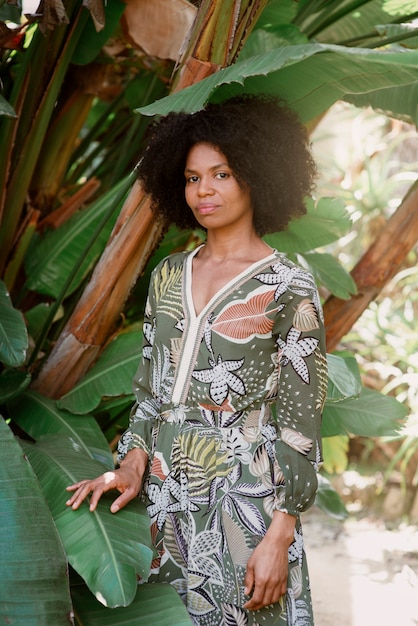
x=225, y=432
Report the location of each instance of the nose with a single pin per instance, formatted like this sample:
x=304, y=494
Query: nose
x=205, y=187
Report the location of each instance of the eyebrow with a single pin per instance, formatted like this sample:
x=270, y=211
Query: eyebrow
x=214, y=167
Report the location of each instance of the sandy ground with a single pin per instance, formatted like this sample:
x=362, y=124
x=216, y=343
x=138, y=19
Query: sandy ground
x=362, y=574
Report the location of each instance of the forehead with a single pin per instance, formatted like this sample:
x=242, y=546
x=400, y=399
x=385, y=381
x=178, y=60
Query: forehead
x=205, y=155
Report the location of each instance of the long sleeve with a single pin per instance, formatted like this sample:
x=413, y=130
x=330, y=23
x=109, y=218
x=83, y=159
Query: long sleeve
x=147, y=403
x=300, y=338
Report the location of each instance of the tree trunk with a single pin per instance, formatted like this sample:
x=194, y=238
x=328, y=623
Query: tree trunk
x=375, y=269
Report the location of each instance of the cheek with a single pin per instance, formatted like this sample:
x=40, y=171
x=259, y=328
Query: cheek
x=188, y=194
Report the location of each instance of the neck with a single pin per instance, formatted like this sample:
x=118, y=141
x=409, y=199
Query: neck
x=224, y=245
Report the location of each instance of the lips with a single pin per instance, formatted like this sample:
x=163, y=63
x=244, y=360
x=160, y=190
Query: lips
x=206, y=209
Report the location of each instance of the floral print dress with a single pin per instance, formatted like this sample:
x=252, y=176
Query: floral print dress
x=228, y=408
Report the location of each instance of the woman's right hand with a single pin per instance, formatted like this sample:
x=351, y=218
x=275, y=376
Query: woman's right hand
x=127, y=480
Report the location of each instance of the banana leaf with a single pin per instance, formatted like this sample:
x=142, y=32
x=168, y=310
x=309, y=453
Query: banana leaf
x=324, y=222
x=108, y=551
x=309, y=77
x=55, y=254
x=343, y=378
x=39, y=416
x=328, y=271
x=403, y=100
x=34, y=586
x=156, y=603
x=92, y=40
x=111, y=376
x=372, y=414
x=12, y=383
x=13, y=334
x=328, y=500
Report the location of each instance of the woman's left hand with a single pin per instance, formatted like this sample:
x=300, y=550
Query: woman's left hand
x=267, y=567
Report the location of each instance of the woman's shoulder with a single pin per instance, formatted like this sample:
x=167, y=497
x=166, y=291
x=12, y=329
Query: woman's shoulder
x=176, y=259
x=284, y=260
x=288, y=271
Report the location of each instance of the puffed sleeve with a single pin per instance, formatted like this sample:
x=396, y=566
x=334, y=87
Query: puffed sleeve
x=300, y=338
x=147, y=405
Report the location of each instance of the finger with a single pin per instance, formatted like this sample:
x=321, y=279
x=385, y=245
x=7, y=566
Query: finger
x=256, y=601
x=97, y=493
x=123, y=500
x=80, y=495
x=75, y=486
x=248, y=580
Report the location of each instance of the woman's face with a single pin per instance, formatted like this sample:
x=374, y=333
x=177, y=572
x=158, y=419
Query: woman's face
x=213, y=193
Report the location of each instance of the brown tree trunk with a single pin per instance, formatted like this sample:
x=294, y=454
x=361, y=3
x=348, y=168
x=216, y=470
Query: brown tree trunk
x=374, y=270
x=95, y=317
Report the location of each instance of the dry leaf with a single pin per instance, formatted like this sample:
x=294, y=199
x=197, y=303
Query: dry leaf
x=158, y=27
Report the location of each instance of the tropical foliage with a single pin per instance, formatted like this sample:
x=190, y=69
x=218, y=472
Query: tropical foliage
x=76, y=233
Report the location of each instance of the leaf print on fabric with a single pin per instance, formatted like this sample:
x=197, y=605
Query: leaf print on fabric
x=149, y=330
x=295, y=551
x=175, y=350
x=205, y=544
x=295, y=350
x=242, y=320
x=171, y=498
x=306, y=316
x=247, y=512
x=221, y=378
x=202, y=459
x=293, y=278
x=148, y=410
x=296, y=580
x=235, y=446
x=159, y=467
x=235, y=538
x=275, y=502
x=207, y=332
x=161, y=380
x=199, y=601
x=297, y=611
x=167, y=290
x=272, y=381
x=234, y=615
x=296, y=440
x=260, y=463
x=174, y=541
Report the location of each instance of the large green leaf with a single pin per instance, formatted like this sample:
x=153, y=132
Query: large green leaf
x=154, y=603
x=323, y=223
x=51, y=260
x=402, y=99
x=337, y=21
x=13, y=334
x=12, y=383
x=329, y=272
x=39, y=416
x=372, y=414
x=108, y=551
x=111, y=376
x=34, y=587
x=92, y=41
x=343, y=378
x=328, y=499
x=309, y=77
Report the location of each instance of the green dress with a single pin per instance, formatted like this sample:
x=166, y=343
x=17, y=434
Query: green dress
x=229, y=409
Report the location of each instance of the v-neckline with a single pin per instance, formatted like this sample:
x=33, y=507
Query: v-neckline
x=188, y=278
